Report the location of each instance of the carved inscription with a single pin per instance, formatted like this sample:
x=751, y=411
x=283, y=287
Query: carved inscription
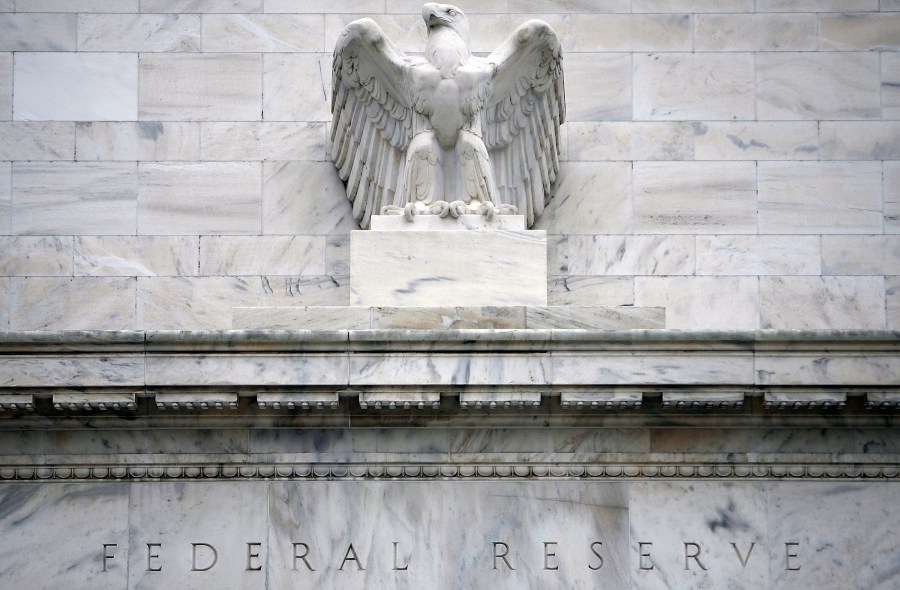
x=205, y=556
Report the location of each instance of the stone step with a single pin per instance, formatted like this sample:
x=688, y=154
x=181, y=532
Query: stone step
x=447, y=318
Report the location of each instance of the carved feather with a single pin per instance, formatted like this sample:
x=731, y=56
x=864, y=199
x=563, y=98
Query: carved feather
x=523, y=115
x=453, y=126
x=372, y=119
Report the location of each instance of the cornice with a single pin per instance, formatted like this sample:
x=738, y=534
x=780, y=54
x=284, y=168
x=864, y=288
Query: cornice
x=472, y=340
x=159, y=472
x=428, y=370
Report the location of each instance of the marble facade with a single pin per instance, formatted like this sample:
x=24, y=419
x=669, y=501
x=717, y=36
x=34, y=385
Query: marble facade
x=695, y=382
x=517, y=457
x=226, y=105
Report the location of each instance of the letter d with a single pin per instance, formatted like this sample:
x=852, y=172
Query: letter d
x=215, y=557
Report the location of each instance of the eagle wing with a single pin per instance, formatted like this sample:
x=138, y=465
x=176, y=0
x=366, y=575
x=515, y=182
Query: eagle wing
x=523, y=113
x=371, y=119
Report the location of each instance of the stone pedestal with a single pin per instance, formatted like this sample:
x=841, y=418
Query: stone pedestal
x=433, y=262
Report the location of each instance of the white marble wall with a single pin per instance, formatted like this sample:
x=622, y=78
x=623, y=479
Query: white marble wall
x=162, y=161
x=450, y=534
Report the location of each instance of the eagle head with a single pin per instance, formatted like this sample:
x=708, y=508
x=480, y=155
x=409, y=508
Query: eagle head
x=446, y=15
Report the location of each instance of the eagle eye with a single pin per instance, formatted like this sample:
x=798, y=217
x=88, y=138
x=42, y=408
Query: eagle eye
x=452, y=12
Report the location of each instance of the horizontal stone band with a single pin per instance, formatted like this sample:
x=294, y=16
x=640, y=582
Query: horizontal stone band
x=198, y=472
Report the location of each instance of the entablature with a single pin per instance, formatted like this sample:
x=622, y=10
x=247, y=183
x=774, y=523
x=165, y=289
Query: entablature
x=368, y=370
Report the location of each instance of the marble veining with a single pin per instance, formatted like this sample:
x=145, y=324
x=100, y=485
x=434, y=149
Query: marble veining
x=132, y=32
x=31, y=516
x=396, y=268
x=37, y=140
x=453, y=533
x=280, y=33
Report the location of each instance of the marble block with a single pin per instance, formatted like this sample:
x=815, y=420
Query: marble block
x=76, y=87
x=579, y=207
x=37, y=32
x=890, y=84
x=305, y=198
x=5, y=198
x=74, y=198
x=32, y=519
x=695, y=197
x=282, y=33
x=751, y=140
x=820, y=303
x=437, y=268
x=6, y=86
x=36, y=140
x=629, y=140
x=83, y=5
x=207, y=87
x=202, y=6
x=67, y=303
x=816, y=86
x=702, y=303
x=326, y=317
x=594, y=318
x=820, y=198
x=629, y=32
x=35, y=256
x=679, y=86
x=862, y=140
x=855, y=32
x=199, y=198
x=294, y=86
x=131, y=256
x=139, y=32
x=144, y=140
x=755, y=32
x=274, y=141
x=599, y=87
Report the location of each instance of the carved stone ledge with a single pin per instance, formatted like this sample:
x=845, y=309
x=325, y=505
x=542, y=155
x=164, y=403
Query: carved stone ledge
x=613, y=398
x=17, y=402
x=98, y=402
x=703, y=399
x=196, y=401
x=357, y=471
x=883, y=399
x=500, y=399
x=405, y=400
x=298, y=401
x=796, y=399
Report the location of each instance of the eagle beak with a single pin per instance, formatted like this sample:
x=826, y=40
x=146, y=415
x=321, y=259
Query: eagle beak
x=430, y=15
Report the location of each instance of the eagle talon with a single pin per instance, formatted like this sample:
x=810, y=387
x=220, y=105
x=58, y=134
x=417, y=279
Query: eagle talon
x=457, y=208
x=409, y=211
x=439, y=208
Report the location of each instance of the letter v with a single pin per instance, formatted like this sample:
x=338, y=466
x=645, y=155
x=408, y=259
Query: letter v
x=743, y=559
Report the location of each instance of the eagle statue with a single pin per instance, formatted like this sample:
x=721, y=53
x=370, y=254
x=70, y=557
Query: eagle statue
x=449, y=133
